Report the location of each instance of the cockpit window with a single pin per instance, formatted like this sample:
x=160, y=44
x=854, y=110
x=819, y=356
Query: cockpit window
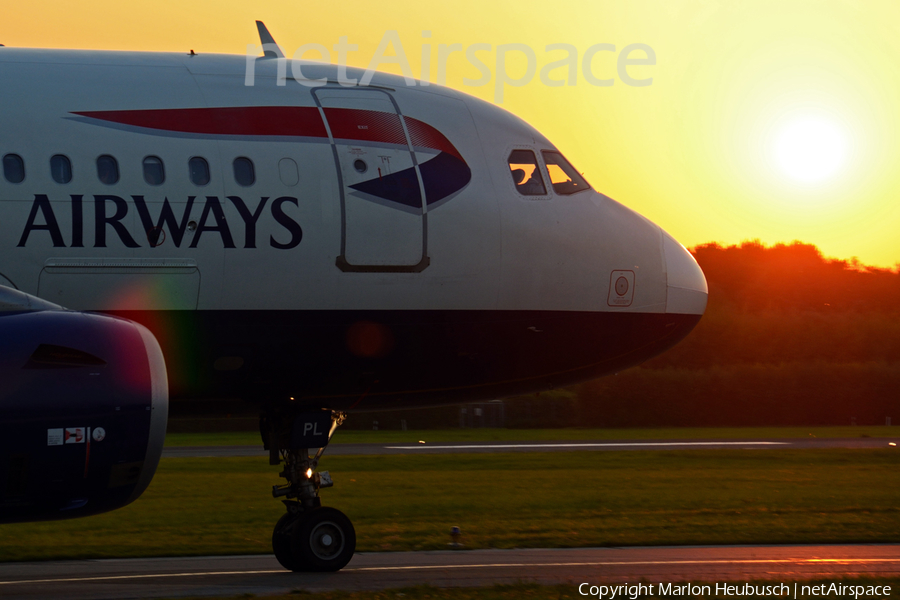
x=526, y=173
x=565, y=179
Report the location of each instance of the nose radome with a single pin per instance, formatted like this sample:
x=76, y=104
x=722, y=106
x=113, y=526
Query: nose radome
x=687, y=291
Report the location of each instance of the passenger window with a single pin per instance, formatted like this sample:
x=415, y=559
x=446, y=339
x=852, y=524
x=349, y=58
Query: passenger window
x=14, y=168
x=199, y=171
x=107, y=169
x=287, y=170
x=563, y=176
x=154, y=170
x=526, y=173
x=60, y=168
x=243, y=171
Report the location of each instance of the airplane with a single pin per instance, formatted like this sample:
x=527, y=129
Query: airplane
x=311, y=245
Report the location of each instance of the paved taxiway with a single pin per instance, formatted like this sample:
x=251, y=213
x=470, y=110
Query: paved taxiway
x=233, y=575
x=561, y=446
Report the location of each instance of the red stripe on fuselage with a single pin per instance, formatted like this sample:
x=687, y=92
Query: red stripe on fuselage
x=293, y=121
x=243, y=120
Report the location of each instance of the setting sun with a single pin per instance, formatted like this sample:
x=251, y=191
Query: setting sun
x=810, y=149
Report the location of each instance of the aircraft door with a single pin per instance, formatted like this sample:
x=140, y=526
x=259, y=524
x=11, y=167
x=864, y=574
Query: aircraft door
x=384, y=224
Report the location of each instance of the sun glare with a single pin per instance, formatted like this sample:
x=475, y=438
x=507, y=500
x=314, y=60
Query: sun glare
x=811, y=149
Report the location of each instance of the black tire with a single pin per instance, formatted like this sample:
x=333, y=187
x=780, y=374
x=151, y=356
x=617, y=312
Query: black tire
x=281, y=542
x=323, y=540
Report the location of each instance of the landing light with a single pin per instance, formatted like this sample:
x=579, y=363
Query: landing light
x=308, y=473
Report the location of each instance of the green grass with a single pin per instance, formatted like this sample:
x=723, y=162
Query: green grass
x=199, y=506
x=532, y=591
x=512, y=435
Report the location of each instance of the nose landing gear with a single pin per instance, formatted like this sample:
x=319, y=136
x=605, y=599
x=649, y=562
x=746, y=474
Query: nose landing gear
x=309, y=537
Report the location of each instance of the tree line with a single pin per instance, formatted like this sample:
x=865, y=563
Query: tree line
x=789, y=338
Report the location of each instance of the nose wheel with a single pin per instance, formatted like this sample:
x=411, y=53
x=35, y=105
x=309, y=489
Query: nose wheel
x=320, y=539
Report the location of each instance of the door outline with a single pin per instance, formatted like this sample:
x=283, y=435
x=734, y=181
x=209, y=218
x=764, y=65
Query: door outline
x=341, y=261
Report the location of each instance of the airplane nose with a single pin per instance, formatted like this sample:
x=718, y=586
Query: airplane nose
x=686, y=289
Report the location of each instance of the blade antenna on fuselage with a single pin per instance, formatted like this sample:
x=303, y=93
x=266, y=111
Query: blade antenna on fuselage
x=270, y=48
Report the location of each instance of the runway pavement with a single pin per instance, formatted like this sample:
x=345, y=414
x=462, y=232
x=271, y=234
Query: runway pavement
x=560, y=446
x=234, y=575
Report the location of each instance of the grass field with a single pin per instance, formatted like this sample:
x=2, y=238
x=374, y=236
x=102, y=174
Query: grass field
x=510, y=435
x=199, y=506
x=527, y=591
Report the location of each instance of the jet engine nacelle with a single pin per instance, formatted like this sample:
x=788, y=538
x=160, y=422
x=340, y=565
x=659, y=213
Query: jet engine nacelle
x=84, y=403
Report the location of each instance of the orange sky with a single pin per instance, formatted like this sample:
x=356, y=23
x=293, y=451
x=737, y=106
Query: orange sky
x=774, y=119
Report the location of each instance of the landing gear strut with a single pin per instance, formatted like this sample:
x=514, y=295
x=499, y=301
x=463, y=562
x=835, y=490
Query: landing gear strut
x=310, y=537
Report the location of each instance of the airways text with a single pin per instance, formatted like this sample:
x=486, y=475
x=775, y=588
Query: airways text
x=110, y=212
